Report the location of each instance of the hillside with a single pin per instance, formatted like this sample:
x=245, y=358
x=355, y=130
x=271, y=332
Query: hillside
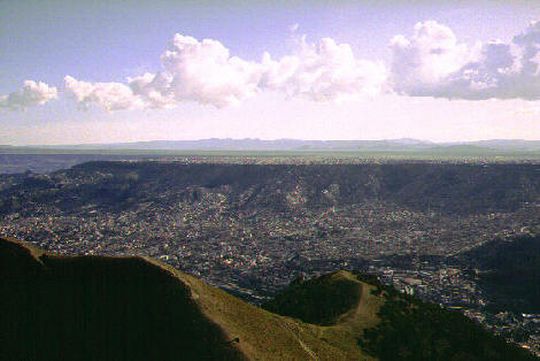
x=508, y=271
x=411, y=330
x=99, y=308
x=131, y=308
x=389, y=325
x=440, y=187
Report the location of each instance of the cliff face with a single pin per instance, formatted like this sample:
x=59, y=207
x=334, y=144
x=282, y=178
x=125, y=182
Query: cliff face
x=446, y=188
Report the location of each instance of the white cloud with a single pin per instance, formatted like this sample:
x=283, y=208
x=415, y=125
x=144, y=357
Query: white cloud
x=154, y=89
x=421, y=63
x=205, y=72
x=192, y=70
x=32, y=93
x=325, y=71
x=433, y=63
x=110, y=96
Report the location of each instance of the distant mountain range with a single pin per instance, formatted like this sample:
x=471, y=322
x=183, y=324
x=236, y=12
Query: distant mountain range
x=250, y=144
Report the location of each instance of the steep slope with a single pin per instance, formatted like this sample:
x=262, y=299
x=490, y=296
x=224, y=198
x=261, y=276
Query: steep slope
x=97, y=308
x=341, y=303
x=133, y=308
x=389, y=325
x=104, y=308
x=411, y=330
x=509, y=272
x=321, y=301
x=446, y=187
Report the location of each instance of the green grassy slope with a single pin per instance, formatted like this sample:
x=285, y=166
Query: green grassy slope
x=133, y=308
x=389, y=325
x=411, y=330
x=97, y=308
x=105, y=308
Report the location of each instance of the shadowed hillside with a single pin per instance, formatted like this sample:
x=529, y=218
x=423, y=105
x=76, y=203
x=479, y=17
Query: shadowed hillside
x=97, y=308
x=509, y=271
x=320, y=301
x=420, y=186
x=105, y=308
x=389, y=325
x=411, y=330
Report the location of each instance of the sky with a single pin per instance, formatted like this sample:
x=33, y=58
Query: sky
x=74, y=72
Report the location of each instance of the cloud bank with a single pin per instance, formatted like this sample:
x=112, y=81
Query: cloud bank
x=32, y=93
x=205, y=72
x=431, y=62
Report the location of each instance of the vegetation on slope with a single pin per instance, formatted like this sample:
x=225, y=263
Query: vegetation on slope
x=319, y=301
x=446, y=188
x=510, y=273
x=105, y=308
x=399, y=327
x=97, y=308
x=411, y=330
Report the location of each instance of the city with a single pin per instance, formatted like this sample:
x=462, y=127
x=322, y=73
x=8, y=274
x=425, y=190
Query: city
x=253, y=238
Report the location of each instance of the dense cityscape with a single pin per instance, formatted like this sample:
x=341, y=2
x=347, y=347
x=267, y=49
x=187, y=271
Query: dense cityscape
x=270, y=180
x=254, y=238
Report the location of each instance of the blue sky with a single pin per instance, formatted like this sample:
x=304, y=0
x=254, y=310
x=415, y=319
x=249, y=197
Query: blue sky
x=106, y=42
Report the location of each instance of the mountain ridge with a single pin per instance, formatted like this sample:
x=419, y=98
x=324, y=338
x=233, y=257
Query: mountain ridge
x=287, y=144
x=230, y=333
x=136, y=308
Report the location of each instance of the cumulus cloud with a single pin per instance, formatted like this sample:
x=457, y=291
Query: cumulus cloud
x=205, y=72
x=325, y=71
x=192, y=70
x=425, y=60
x=429, y=62
x=32, y=93
x=154, y=89
x=110, y=96
x=433, y=63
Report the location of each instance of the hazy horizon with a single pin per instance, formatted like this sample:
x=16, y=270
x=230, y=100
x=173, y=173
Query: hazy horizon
x=116, y=71
x=400, y=141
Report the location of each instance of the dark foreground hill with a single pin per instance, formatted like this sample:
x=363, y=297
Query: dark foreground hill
x=104, y=308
